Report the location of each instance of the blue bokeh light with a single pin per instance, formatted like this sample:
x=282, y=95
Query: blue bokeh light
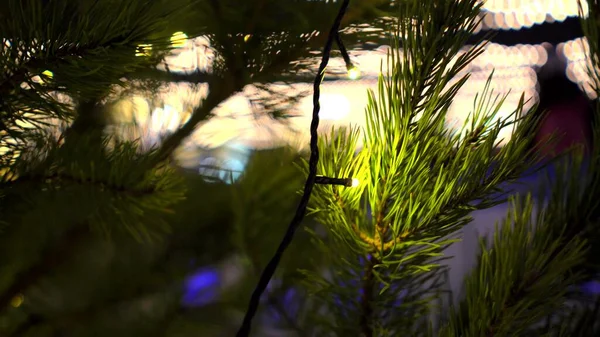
x=592, y=287
x=201, y=288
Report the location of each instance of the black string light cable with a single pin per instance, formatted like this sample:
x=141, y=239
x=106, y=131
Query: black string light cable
x=311, y=180
x=348, y=182
x=349, y=66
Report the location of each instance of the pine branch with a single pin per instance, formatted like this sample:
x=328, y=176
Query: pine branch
x=83, y=316
x=31, y=323
x=199, y=77
x=85, y=47
x=219, y=92
x=221, y=88
x=108, y=303
x=89, y=122
x=11, y=82
x=256, y=15
x=50, y=259
x=366, y=300
x=195, y=77
x=22, y=72
x=56, y=178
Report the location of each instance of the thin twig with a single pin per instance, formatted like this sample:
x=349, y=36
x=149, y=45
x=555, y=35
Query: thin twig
x=366, y=299
x=219, y=92
x=195, y=77
x=58, y=177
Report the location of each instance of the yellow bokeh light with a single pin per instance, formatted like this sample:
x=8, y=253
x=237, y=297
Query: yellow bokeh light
x=45, y=75
x=17, y=301
x=353, y=73
x=179, y=39
x=144, y=50
x=247, y=37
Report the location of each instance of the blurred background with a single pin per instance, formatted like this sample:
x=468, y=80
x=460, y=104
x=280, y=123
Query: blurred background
x=537, y=51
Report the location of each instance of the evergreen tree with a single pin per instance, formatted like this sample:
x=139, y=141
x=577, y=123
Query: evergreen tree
x=98, y=240
x=95, y=238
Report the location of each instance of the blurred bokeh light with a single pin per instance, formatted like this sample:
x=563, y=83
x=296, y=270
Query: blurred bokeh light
x=579, y=66
x=343, y=101
x=517, y=14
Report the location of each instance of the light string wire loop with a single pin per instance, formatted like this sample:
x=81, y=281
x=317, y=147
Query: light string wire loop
x=311, y=180
x=348, y=182
x=338, y=40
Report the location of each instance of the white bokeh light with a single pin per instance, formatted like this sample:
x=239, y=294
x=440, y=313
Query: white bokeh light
x=517, y=14
x=575, y=52
x=342, y=101
x=333, y=106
